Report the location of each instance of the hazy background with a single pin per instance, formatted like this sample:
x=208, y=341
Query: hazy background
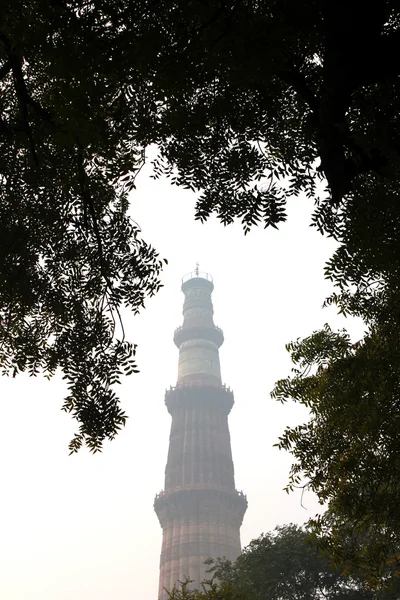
x=83, y=527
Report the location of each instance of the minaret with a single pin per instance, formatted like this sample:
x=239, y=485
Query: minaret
x=199, y=510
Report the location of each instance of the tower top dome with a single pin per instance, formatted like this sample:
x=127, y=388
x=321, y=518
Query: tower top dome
x=197, y=278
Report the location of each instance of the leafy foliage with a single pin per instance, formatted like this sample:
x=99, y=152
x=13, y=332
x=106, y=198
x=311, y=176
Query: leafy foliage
x=348, y=452
x=210, y=590
x=259, y=91
x=286, y=564
x=70, y=255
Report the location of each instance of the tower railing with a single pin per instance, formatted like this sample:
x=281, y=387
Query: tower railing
x=184, y=327
x=198, y=383
x=197, y=273
x=200, y=486
x=185, y=333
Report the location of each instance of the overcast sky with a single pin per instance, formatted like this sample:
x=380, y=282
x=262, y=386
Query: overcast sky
x=83, y=527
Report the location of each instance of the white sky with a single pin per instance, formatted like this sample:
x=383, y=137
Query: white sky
x=83, y=527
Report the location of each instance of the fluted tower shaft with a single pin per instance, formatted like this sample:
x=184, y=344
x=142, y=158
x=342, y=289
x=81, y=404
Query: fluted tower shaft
x=199, y=510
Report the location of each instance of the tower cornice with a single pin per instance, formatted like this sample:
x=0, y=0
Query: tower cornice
x=199, y=393
x=205, y=499
x=185, y=333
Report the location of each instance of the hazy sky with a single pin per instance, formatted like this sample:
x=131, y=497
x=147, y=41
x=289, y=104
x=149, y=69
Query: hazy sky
x=83, y=527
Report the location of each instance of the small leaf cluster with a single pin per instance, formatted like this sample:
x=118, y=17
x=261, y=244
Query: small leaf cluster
x=210, y=590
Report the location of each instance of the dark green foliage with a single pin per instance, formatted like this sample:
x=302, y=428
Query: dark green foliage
x=260, y=91
x=286, y=564
x=70, y=255
x=210, y=590
x=348, y=453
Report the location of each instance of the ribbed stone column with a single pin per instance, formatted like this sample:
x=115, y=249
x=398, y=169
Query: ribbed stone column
x=199, y=510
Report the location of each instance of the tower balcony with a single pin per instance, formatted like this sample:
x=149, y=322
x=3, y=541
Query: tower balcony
x=199, y=393
x=201, y=501
x=184, y=334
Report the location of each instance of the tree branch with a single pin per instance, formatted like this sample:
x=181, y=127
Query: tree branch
x=296, y=79
x=23, y=96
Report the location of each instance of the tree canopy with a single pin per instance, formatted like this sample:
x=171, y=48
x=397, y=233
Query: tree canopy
x=266, y=90
x=70, y=255
x=287, y=565
x=348, y=452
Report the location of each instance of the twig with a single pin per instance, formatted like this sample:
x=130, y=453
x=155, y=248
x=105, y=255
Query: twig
x=87, y=200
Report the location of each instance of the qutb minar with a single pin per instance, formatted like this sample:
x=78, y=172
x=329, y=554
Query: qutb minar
x=200, y=510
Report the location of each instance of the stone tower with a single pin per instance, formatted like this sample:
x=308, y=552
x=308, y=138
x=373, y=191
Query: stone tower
x=200, y=511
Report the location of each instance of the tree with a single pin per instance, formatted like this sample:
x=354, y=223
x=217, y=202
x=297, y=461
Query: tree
x=348, y=452
x=286, y=565
x=264, y=90
x=70, y=255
